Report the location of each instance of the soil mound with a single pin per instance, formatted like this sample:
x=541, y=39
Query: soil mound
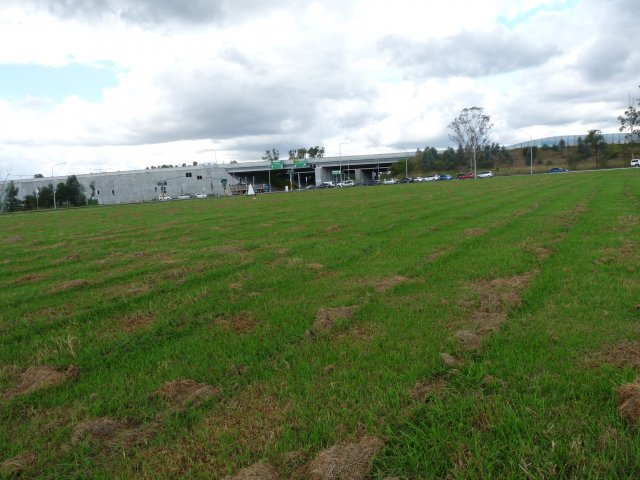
x=388, y=283
x=346, y=460
x=469, y=341
x=450, y=361
x=427, y=388
x=18, y=464
x=241, y=322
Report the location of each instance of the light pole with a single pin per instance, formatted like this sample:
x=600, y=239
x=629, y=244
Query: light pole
x=340, y=153
x=530, y=153
x=54, y=187
x=406, y=164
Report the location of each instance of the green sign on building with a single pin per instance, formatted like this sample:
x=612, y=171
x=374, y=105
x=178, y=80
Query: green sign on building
x=277, y=165
x=300, y=163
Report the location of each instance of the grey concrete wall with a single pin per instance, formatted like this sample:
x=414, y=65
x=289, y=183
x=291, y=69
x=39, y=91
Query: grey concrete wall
x=140, y=185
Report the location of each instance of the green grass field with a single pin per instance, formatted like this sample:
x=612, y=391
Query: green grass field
x=463, y=329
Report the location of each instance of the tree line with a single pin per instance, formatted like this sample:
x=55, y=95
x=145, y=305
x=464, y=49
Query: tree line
x=69, y=193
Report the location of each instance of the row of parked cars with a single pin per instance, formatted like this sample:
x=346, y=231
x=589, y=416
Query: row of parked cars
x=183, y=196
x=437, y=178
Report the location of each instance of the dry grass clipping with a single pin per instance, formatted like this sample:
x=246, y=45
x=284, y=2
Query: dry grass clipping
x=351, y=461
x=258, y=471
x=18, y=464
x=68, y=285
x=474, y=232
x=111, y=432
x=628, y=398
x=450, y=361
x=241, y=322
x=41, y=377
x=469, y=341
x=184, y=392
x=326, y=317
x=136, y=321
x=390, y=282
x=623, y=354
x=427, y=388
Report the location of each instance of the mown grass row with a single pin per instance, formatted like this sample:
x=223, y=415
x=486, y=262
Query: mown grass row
x=140, y=295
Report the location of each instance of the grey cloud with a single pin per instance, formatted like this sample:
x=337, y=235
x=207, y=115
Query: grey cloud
x=468, y=54
x=157, y=12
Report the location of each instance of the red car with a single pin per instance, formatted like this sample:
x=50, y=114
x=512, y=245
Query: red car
x=463, y=176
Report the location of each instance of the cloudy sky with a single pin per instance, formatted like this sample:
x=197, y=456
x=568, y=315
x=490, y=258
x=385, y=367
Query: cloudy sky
x=105, y=85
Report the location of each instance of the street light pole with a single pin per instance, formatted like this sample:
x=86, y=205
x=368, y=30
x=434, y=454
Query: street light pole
x=406, y=164
x=54, y=187
x=530, y=154
x=340, y=153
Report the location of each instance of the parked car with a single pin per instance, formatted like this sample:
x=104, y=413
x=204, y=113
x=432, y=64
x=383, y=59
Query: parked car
x=464, y=176
x=164, y=197
x=184, y=196
x=431, y=178
x=325, y=185
x=444, y=177
x=201, y=195
x=635, y=162
x=557, y=170
x=346, y=183
x=390, y=181
x=485, y=175
x=371, y=183
x=405, y=180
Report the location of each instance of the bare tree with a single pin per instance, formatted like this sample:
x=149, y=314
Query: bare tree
x=470, y=131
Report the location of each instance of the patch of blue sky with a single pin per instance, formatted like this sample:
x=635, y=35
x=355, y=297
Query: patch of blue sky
x=56, y=83
x=524, y=16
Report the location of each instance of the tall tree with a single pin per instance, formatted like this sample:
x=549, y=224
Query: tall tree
x=271, y=155
x=75, y=191
x=596, y=142
x=10, y=202
x=630, y=122
x=470, y=130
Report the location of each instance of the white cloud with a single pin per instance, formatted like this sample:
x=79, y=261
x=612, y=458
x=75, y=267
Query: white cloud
x=243, y=76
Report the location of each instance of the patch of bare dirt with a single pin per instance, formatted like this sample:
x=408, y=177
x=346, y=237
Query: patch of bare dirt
x=450, y=361
x=258, y=471
x=111, y=432
x=282, y=251
x=352, y=461
x=389, y=282
x=18, y=464
x=294, y=261
x=428, y=388
x=30, y=278
x=474, y=232
x=326, y=317
x=184, y=392
x=241, y=322
x=70, y=284
x=332, y=228
x=315, y=266
x=235, y=286
x=622, y=354
x=14, y=239
x=542, y=252
x=469, y=341
x=432, y=257
x=41, y=377
x=128, y=290
x=136, y=321
x=496, y=297
x=628, y=399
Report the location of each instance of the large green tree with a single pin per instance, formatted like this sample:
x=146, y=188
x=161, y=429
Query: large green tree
x=75, y=191
x=596, y=143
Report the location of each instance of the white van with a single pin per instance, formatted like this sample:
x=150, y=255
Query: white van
x=635, y=162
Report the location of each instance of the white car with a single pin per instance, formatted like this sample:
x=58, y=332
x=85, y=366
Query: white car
x=635, y=162
x=201, y=195
x=346, y=183
x=419, y=179
x=164, y=197
x=390, y=181
x=485, y=175
x=184, y=196
x=432, y=178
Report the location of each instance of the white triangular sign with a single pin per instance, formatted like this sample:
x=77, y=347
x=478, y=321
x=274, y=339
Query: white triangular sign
x=251, y=191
